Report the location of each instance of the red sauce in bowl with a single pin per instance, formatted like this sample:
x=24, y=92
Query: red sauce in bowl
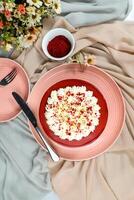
x=59, y=46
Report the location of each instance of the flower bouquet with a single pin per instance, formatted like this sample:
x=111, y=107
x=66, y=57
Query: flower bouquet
x=21, y=21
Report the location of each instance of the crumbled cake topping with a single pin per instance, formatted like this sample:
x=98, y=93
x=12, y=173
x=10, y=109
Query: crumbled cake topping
x=72, y=112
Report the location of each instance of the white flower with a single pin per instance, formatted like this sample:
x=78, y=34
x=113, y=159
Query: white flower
x=31, y=22
x=57, y=6
x=48, y=2
x=31, y=10
x=89, y=60
x=37, y=18
x=8, y=47
x=34, y=20
x=36, y=3
x=28, y=40
x=10, y=6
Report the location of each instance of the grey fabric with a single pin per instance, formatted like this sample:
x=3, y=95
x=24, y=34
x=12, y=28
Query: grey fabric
x=89, y=12
x=24, y=172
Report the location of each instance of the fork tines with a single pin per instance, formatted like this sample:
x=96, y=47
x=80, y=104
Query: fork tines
x=7, y=79
x=11, y=74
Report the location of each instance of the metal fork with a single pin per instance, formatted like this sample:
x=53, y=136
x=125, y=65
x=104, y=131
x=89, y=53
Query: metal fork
x=7, y=79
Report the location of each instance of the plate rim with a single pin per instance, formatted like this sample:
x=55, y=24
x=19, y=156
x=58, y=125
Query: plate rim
x=20, y=66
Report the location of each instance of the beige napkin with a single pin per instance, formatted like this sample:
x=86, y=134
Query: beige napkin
x=111, y=175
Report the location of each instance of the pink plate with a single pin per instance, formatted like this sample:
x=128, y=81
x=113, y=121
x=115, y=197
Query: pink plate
x=9, y=108
x=109, y=90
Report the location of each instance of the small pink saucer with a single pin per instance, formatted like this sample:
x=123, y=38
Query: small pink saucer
x=9, y=109
x=109, y=90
